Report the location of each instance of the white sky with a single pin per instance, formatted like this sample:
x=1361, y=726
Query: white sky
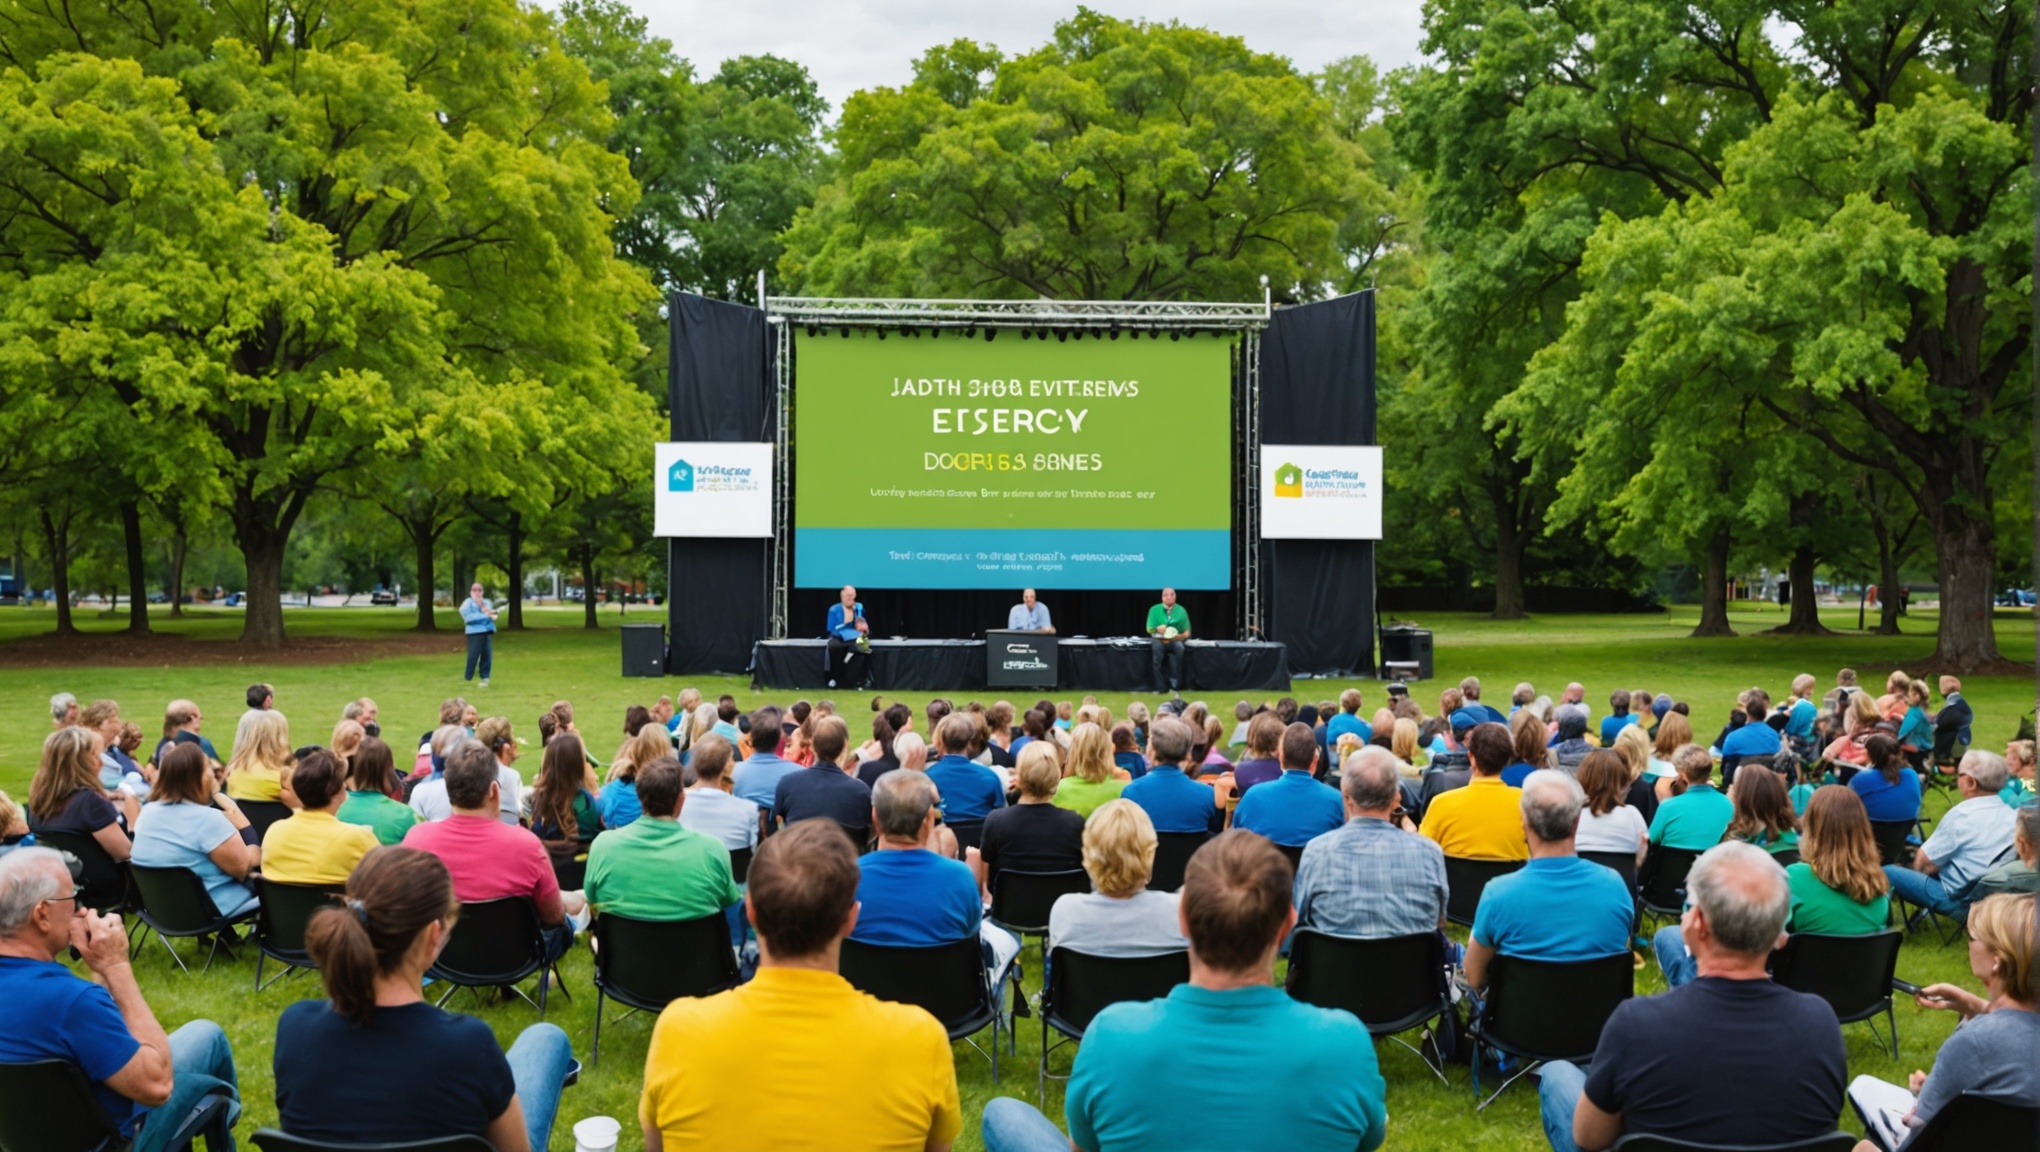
x=853, y=44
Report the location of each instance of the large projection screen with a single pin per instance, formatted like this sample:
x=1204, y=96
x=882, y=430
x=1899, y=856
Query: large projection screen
x=958, y=462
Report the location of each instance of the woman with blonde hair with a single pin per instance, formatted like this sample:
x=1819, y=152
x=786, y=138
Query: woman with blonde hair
x=1838, y=889
x=1674, y=732
x=260, y=766
x=1091, y=779
x=347, y=736
x=1120, y=916
x=1403, y=743
x=619, y=799
x=65, y=795
x=1860, y=720
x=1036, y=834
x=1633, y=745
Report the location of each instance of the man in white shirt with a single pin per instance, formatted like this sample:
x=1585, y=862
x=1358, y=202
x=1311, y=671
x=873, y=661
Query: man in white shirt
x=1970, y=839
x=1029, y=615
x=711, y=808
x=495, y=732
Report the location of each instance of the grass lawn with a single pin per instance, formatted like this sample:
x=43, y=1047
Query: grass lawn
x=557, y=659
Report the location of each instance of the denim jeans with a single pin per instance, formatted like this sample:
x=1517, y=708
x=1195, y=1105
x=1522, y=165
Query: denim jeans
x=200, y=1062
x=1677, y=964
x=1016, y=1126
x=1558, y=1097
x=1925, y=891
x=481, y=652
x=539, y=1062
x=1165, y=661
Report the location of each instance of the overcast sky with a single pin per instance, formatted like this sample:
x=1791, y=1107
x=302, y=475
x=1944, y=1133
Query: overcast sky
x=853, y=44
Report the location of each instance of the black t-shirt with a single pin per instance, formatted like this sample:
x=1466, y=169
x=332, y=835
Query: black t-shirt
x=85, y=811
x=1785, y=1048
x=823, y=792
x=1001, y=757
x=1032, y=838
x=341, y=1083
x=872, y=769
x=1642, y=796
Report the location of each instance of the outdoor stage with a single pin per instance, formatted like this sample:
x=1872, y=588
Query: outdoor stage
x=1114, y=665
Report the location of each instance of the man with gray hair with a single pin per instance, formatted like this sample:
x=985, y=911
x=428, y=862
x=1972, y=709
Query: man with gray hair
x=910, y=897
x=63, y=710
x=1371, y=878
x=146, y=1080
x=1970, y=839
x=1642, y=1078
x=1557, y=907
x=1172, y=800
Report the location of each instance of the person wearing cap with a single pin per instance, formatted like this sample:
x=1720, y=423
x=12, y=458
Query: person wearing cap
x=1482, y=821
x=1659, y=709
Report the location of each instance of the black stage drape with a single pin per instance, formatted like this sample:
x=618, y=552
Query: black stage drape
x=1317, y=387
x=959, y=666
x=720, y=594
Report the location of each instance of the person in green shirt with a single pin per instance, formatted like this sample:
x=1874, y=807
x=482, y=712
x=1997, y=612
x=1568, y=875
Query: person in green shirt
x=1092, y=780
x=654, y=869
x=1838, y=889
x=1168, y=625
x=1694, y=818
x=1763, y=813
x=371, y=777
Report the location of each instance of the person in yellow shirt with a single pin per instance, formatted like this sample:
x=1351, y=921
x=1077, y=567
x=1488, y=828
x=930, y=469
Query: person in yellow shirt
x=260, y=767
x=795, y=1029
x=313, y=846
x=1484, y=820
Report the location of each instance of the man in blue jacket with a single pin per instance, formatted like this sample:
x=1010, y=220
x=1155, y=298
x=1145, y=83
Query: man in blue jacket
x=479, y=617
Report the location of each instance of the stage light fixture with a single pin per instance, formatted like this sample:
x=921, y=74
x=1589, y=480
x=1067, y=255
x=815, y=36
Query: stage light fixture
x=810, y=331
x=1173, y=337
x=1062, y=335
x=991, y=334
x=881, y=334
x=845, y=330
x=1026, y=335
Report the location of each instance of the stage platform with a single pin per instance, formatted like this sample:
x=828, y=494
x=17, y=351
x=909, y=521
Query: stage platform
x=1114, y=665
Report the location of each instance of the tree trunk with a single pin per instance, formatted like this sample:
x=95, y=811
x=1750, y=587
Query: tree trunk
x=137, y=566
x=262, y=614
x=1966, y=554
x=1714, y=590
x=1805, y=609
x=1888, y=587
x=515, y=531
x=424, y=541
x=178, y=545
x=587, y=554
x=57, y=532
x=1509, y=544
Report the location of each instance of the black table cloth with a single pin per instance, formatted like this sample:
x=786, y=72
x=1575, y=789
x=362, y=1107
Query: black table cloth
x=1115, y=665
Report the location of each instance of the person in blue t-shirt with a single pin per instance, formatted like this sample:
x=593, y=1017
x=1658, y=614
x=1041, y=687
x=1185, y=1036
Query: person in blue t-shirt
x=147, y=1080
x=1557, y=907
x=1754, y=738
x=1347, y=720
x=1235, y=911
x=1293, y=809
x=969, y=791
x=478, y=620
x=1890, y=790
x=1172, y=800
x=909, y=897
x=1619, y=717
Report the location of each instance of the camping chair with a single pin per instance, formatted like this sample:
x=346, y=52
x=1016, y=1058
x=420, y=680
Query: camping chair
x=1392, y=985
x=1892, y=837
x=1537, y=1011
x=969, y=833
x=1294, y=854
x=1971, y=1122
x=1081, y=985
x=281, y=917
x=1465, y=880
x=1661, y=883
x=647, y=964
x=262, y=813
x=1021, y=900
x=1622, y=863
x=496, y=944
x=740, y=863
x=949, y=980
x=49, y=1106
x=176, y=905
x=1172, y=855
x=105, y=884
x=1852, y=973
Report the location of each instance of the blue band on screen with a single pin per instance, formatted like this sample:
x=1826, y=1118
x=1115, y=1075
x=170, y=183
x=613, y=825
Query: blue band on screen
x=1012, y=558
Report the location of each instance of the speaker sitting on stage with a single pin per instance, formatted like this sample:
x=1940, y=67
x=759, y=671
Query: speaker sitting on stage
x=849, y=642
x=1029, y=615
x=1168, y=625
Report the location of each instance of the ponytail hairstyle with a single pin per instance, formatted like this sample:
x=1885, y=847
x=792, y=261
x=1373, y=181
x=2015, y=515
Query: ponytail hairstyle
x=393, y=894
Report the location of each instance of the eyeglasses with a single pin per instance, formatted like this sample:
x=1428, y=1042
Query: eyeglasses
x=72, y=898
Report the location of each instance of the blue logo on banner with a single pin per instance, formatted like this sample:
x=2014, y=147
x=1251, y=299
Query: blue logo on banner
x=680, y=477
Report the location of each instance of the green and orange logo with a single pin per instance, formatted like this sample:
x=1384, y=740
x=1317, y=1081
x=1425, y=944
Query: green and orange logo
x=1289, y=481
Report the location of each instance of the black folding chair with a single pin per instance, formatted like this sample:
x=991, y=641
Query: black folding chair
x=176, y=906
x=262, y=813
x=281, y=918
x=1172, y=854
x=1537, y=1011
x=740, y=863
x=1081, y=985
x=570, y=871
x=647, y=964
x=1661, y=883
x=49, y=1106
x=1294, y=854
x=1623, y=863
x=496, y=944
x=1786, y=858
x=106, y=884
x=1970, y=1123
x=969, y=833
x=1021, y=900
x=949, y=980
x=1891, y=837
x=271, y=1140
x=1465, y=880
x=1638, y=1142
x=1852, y=973
x=1392, y=985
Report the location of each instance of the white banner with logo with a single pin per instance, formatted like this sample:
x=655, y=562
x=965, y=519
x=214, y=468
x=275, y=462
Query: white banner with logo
x=1320, y=492
x=712, y=489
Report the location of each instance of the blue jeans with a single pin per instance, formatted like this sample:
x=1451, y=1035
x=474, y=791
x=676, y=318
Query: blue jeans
x=481, y=650
x=1925, y=891
x=539, y=1062
x=1673, y=960
x=1558, y=1097
x=1016, y=1126
x=201, y=1062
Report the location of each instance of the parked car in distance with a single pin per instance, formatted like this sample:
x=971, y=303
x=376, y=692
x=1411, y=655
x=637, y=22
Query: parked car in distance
x=236, y=600
x=383, y=598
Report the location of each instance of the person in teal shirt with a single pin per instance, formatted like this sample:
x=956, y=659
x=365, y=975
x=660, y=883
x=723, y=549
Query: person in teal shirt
x=1271, y=1071
x=1168, y=626
x=655, y=869
x=1694, y=819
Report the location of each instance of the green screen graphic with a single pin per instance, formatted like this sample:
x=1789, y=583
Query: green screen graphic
x=950, y=462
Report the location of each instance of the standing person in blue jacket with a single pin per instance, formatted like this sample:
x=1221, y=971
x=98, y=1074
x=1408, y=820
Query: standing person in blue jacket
x=479, y=618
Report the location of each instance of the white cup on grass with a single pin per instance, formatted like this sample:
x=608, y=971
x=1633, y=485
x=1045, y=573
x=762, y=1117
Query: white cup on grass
x=596, y=1134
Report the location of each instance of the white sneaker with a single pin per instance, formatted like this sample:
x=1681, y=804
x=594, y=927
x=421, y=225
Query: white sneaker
x=485, y=681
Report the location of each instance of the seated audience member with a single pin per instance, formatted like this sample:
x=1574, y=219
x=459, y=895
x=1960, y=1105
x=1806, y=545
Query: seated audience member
x=1916, y=727
x=1696, y=814
x=312, y=846
x=1557, y=907
x=1469, y=691
x=488, y=859
x=334, y=1057
x=428, y=796
x=1034, y=835
x=1174, y=801
x=1370, y=878
x=1754, y=738
x=372, y=789
x=347, y=738
x=757, y=778
x=495, y=734
x=1837, y=887
x=1529, y=749
x=1967, y=842
x=147, y=1081
x=2018, y=773
x=726, y=713
x=1450, y=768
x=1859, y=721
x=116, y=767
x=969, y=791
x=1763, y=812
x=1951, y=723
x=1260, y=763
x=181, y=722
x=618, y=799
x=2017, y=877
x=1091, y=779
x=1642, y=1078
x=1293, y=809
x=795, y=1017
x=1126, y=753
x=1347, y=720
x=1673, y=733
x=878, y=756
x=909, y=896
x=1571, y=744
x=186, y=824
x=1634, y=747
x=65, y=796
x=14, y=831
x=1889, y=788
x=1618, y=717
x=823, y=790
x=261, y=764
x=656, y=869
x=1608, y=823
x=711, y=807
x=1482, y=821
x=1235, y=911
x=1990, y=1054
x=1119, y=916
x=565, y=813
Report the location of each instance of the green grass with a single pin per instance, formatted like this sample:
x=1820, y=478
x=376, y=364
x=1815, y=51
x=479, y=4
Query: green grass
x=557, y=659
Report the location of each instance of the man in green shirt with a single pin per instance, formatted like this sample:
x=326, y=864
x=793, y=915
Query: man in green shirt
x=1167, y=627
x=654, y=869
